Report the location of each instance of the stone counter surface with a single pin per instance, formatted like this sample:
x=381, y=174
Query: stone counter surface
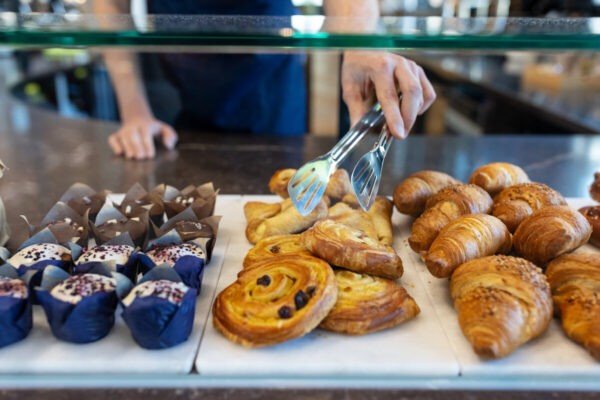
x=45, y=154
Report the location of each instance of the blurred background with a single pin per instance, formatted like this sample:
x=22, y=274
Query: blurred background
x=479, y=92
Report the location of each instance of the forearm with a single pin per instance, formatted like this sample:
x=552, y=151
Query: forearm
x=124, y=70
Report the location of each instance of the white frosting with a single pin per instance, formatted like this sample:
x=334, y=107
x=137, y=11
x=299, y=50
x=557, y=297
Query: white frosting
x=13, y=288
x=73, y=289
x=171, y=253
x=118, y=253
x=38, y=252
x=164, y=289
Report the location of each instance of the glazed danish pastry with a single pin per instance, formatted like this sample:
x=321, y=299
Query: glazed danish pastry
x=273, y=246
x=367, y=303
x=275, y=300
x=575, y=282
x=497, y=176
x=264, y=220
x=356, y=219
x=352, y=249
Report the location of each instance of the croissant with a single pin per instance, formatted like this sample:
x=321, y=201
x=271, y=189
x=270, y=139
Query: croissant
x=351, y=200
x=412, y=193
x=381, y=215
x=443, y=207
x=368, y=304
x=550, y=232
x=592, y=214
x=339, y=183
x=466, y=238
x=502, y=302
x=575, y=282
x=278, y=219
x=356, y=219
x=497, y=176
x=515, y=203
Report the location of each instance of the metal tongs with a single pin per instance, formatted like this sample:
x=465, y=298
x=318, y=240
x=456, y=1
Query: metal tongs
x=308, y=184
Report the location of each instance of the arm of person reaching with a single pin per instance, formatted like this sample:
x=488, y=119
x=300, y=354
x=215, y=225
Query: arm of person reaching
x=384, y=72
x=135, y=138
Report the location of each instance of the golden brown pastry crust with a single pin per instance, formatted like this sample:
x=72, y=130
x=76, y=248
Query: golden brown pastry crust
x=264, y=220
x=353, y=218
x=339, y=184
x=514, y=204
x=498, y=176
x=279, y=182
x=592, y=214
x=443, y=207
x=352, y=249
x=368, y=304
x=351, y=200
x=275, y=246
x=502, y=302
x=550, y=232
x=575, y=282
x=381, y=215
x=595, y=187
x=412, y=193
x=466, y=238
x=275, y=300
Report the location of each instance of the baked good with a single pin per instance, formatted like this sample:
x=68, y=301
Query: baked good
x=275, y=300
x=72, y=314
x=466, y=238
x=367, y=304
x=352, y=249
x=592, y=214
x=351, y=200
x=279, y=182
x=119, y=254
x=497, y=176
x=37, y=253
x=411, y=194
x=274, y=246
x=595, y=187
x=353, y=218
x=444, y=207
x=381, y=215
x=514, y=204
x=264, y=219
x=550, y=232
x=190, y=230
x=339, y=183
x=66, y=228
x=502, y=302
x=575, y=282
x=114, y=227
x=160, y=313
x=16, y=318
x=171, y=253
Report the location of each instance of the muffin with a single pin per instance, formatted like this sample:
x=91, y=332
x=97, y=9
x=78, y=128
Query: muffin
x=15, y=318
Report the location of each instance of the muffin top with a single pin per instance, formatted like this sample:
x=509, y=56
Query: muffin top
x=76, y=287
x=13, y=288
x=170, y=253
x=107, y=252
x=40, y=252
x=164, y=289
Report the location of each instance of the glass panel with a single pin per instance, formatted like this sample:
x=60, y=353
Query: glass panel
x=300, y=31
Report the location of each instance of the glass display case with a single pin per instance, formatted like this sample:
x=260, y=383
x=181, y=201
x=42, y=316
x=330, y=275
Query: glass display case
x=510, y=87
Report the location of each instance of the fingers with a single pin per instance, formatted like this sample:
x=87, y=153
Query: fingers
x=169, y=136
x=147, y=149
x=429, y=95
x=115, y=144
x=353, y=97
x=385, y=87
x=412, y=94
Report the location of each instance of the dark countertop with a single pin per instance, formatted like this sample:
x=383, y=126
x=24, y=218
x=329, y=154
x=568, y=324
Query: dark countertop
x=46, y=154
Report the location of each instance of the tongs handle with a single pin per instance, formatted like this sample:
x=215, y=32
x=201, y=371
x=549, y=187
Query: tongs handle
x=371, y=119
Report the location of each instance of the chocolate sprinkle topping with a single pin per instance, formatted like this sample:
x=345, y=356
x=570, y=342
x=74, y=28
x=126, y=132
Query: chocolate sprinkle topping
x=284, y=312
x=300, y=299
x=264, y=280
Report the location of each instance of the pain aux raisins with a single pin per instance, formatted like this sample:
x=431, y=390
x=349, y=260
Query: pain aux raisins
x=284, y=312
x=300, y=299
x=264, y=280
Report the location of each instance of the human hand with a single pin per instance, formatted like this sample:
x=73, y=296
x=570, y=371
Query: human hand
x=363, y=71
x=135, y=139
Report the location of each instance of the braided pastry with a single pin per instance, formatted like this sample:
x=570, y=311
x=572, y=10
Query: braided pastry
x=575, y=282
x=274, y=246
x=502, y=302
x=412, y=193
x=497, y=176
x=368, y=304
x=550, y=232
x=275, y=300
x=352, y=249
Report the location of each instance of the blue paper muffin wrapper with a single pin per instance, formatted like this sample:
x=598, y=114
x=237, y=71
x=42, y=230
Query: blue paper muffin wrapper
x=36, y=271
x=15, y=319
x=156, y=323
x=189, y=268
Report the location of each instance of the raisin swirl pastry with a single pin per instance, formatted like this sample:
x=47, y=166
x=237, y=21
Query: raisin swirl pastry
x=274, y=246
x=352, y=249
x=275, y=300
x=367, y=304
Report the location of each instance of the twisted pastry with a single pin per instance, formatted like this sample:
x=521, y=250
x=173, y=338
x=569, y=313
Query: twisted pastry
x=412, y=193
x=497, y=176
x=575, y=282
x=353, y=218
x=367, y=304
x=514, y=204
x=466, y=238
x=266, y=220
x=274, y=246
x=352, y=249
x=502, y=302
x=275, y=300
x=339, y=184
x=279, y=182
x=550, y=232
x=381, y=215
x=444, y=207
